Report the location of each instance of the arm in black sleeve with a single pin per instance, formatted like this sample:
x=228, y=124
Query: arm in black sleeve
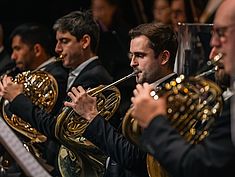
x=213, y=156
x=115, y=145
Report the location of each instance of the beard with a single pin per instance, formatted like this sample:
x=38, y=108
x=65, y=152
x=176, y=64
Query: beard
x=223, y=80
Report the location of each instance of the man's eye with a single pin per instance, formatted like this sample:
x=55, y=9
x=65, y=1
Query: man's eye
x=136, y=55
x=64, y=41
x=139, y=55
x=130, y=55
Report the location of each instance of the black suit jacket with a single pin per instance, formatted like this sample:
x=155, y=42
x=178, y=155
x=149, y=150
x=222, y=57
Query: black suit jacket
x=127, y=155
x=214, y=156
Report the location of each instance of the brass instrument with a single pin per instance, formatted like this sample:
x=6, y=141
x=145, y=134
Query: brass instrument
x=83, y=158
x=41, y=87
x=192, y=105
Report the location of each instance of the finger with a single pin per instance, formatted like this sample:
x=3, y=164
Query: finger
x=4, y=81
x=1, y=86
x=145, y=85
x=9, y=80
x=135, y=92
x=147, y=88
x=132, y=100
x=72, y=96
x=81, y=89
x=69, y=104
x=75, y=91
x=139, y=87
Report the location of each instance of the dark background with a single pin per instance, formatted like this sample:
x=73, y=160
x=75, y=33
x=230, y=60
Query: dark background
x=13, y=12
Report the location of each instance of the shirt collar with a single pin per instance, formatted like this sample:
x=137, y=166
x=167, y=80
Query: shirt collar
x=158, y=82
x=78, y=70
x=44, y=64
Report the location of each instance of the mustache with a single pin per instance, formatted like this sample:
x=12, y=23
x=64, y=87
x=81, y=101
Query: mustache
x=136, y=70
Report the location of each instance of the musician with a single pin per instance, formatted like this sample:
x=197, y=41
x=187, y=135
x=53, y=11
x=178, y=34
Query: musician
x=223, y=40
x=223, y=32
x=32, y=49
x=213, y=156
x=181, y=11
x=77, y=36
x=162, y=11
x=152, y=52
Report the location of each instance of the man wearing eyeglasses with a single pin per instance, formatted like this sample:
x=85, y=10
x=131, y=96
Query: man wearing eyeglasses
x=223, y=39
x=215, y=155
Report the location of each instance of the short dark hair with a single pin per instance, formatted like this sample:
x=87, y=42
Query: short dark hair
x=162, y=37
x=79, y=23
x=34, y=33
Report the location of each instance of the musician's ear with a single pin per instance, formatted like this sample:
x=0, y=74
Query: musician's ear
x=37, y=49
x=165, y=56
x=86, y=39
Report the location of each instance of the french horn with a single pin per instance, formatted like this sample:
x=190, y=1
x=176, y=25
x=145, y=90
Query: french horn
x=193, y=103
x=78, y=156
x=41, y=87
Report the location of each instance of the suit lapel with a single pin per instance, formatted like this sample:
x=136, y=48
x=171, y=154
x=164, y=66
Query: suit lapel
x=91, y=65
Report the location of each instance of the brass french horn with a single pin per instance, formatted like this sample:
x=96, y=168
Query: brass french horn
x=41, y=87
x=192, y=105
x=78, y=156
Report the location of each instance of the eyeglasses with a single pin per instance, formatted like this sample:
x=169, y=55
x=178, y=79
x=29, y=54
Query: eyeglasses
x=220, y=31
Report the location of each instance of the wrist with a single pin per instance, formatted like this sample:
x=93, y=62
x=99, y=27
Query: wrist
x=90, y=117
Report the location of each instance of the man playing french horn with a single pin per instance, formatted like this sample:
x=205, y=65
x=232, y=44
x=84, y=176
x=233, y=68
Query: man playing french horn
x=77, y=36
x=152, y=53
x=32, y=51
x=213, y=155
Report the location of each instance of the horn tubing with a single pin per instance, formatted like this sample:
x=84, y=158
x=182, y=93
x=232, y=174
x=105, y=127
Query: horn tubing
x=118, y=81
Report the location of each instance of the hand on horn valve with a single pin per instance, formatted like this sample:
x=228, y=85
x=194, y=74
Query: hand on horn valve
x=8, y=89
x=82, y=103
x=145, y=108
